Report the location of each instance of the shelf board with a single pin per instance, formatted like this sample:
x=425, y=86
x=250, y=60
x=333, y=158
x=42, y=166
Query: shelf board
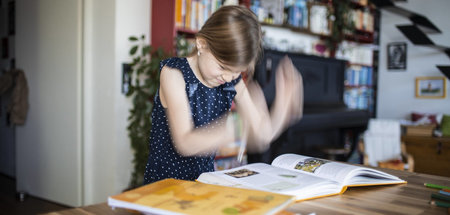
x=185, y=31
x=358, y=64
x=294, y=29
x=358, y=86
x=360, y=36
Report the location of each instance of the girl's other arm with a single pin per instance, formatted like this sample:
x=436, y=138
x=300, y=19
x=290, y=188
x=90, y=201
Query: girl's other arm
x=287, y=107
x=264, y=126
x=252, y=107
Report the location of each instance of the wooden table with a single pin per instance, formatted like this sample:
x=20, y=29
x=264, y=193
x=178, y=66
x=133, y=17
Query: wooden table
x=410, y=198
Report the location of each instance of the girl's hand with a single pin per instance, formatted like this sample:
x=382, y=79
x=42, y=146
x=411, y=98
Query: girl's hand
x=288, y=105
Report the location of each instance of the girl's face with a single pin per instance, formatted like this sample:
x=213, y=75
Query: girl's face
x=215, y=73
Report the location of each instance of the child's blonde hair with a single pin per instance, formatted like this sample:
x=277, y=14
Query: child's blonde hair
x=233, y=35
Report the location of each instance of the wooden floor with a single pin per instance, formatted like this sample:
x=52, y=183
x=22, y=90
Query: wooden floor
x=10, y=204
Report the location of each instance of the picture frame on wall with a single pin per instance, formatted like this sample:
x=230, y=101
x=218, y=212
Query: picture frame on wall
x=396, y=53
x=126, y=78
x=431, y=87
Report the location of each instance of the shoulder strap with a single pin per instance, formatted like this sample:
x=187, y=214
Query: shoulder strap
x=182, y=65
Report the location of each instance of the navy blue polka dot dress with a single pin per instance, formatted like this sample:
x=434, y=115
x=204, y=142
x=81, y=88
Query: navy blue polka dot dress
x=206, y=105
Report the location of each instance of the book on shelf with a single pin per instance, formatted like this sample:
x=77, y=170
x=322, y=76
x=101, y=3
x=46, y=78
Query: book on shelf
x=363, y=20
x=178, y=13
x=173, y=196
x=357, y=75
x=358, y=92
x=301, y=176
x=192, y=14
x=359, y=98
x=297, y=13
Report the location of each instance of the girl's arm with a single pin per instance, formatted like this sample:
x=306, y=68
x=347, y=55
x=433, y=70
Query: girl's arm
x=252, y=107
x=187, y=140
x=264, y=126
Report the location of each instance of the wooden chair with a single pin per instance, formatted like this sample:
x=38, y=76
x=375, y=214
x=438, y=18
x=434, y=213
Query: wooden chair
x=381, y=146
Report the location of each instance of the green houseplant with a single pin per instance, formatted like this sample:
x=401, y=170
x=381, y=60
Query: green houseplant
x=144, y=73
x=342, y=23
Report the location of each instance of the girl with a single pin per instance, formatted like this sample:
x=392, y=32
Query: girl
x=189, y=119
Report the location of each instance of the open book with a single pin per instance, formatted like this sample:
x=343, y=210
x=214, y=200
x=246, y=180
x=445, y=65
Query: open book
x=172, y=196
x=301, y=176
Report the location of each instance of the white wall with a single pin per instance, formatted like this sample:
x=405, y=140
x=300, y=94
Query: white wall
x=74, y=147
x=108, y=156
x=99, y=104
x=131, y=19
x=396, y=89
x=48, y=49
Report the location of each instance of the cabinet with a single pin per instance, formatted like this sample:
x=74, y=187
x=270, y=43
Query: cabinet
x=431, y=154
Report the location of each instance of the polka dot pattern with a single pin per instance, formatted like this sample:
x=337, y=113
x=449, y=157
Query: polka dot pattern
x=206, y=104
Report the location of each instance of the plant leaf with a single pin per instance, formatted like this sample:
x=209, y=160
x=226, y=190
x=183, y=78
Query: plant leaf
x=133, y=50
x=142, y=91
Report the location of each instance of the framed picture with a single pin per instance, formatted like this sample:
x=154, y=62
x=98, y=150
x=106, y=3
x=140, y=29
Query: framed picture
x=126, y=78
x=396, y=56
x=430, y=87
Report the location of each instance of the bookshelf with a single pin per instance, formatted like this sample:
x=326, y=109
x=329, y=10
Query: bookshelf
x=172, y=18
x=312, y=18
x=358, y=49
x=162, y=29
x=358, y=93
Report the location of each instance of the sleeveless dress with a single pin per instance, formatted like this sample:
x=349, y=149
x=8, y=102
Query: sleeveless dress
x=206, y=104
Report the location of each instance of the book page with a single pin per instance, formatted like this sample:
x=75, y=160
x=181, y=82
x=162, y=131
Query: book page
x=217, y=180
x=172, y=196
x=270, y=178
x=320, y=167
x=342, y=173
